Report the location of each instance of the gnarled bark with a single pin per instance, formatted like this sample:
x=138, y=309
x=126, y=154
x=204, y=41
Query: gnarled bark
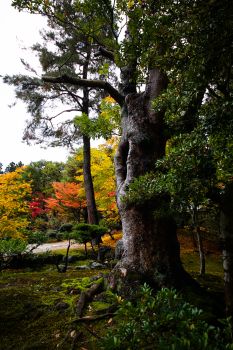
x=151, y=249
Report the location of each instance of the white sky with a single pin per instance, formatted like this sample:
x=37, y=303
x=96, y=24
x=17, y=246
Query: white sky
x=18, y=30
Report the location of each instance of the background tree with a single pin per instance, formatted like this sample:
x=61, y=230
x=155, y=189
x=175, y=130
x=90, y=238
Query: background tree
x=68, y=202
x=72, y=54
x=42, y=174
x=14, y=209
x=12, y=166
x=102, y=165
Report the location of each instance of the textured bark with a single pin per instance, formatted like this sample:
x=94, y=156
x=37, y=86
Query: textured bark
x=151, y=249
x=226, y=228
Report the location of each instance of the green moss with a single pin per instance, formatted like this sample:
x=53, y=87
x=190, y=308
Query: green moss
x=84, y=262
x=29, y=317
x=99, y=306
x=213, y=263
x=80, y=284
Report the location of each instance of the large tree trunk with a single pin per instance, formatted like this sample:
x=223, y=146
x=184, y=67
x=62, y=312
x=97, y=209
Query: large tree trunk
x=151, y=249
x=226, y=228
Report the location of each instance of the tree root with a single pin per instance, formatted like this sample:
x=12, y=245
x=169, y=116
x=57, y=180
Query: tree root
x=88, y=295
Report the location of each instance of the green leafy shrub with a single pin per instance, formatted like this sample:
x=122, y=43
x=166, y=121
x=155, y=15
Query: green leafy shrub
x=10, y=247
x=66, y=228
x=37, y=238
x=164, y=322
x=65, y=232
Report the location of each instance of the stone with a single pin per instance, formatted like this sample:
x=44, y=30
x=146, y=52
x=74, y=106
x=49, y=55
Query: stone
x=82, y=267
x=60, y=306
x=96, y=265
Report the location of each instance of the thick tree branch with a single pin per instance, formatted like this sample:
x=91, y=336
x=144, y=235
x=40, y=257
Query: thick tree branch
x=96, y=84
x=105, y=53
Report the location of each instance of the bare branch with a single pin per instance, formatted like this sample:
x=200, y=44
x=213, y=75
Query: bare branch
x=76, y=97
x=65, y=111
x=95, y=84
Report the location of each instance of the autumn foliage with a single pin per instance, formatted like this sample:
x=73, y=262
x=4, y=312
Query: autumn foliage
x=15, y=194
x=37, y=206
x=31, y=201
x=103, y=175
x=68, y=200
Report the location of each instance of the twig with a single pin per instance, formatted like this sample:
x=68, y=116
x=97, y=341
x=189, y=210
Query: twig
x=74, y=342
x=92, y=332
x=93, y=318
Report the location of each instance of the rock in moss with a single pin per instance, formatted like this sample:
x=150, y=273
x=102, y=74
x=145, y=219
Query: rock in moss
x=82, y=267
x=61, y=306
x=96, y=265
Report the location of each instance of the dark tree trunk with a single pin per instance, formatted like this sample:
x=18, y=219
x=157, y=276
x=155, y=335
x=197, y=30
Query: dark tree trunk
x=226, y=228
x=151, y=248
x=201, y=251
x=88, y=183
x=200, y=247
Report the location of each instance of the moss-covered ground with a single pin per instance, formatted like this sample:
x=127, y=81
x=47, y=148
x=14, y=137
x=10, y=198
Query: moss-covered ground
x=37, y=306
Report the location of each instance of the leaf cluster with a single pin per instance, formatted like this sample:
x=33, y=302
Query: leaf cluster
x=164, y=321
x=15, y=193
x=106, y=124
x=10, y=247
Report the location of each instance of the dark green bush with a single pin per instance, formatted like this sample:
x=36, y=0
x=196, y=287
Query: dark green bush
x=84, y=233
x=37, y=237
x=66, y=227
x=9, y=247
x=164, y=322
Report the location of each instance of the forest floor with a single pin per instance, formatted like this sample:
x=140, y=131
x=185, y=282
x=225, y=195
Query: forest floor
x=38, y=305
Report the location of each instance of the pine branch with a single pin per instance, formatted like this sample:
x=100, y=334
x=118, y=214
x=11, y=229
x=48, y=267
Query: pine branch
x=96, y=84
